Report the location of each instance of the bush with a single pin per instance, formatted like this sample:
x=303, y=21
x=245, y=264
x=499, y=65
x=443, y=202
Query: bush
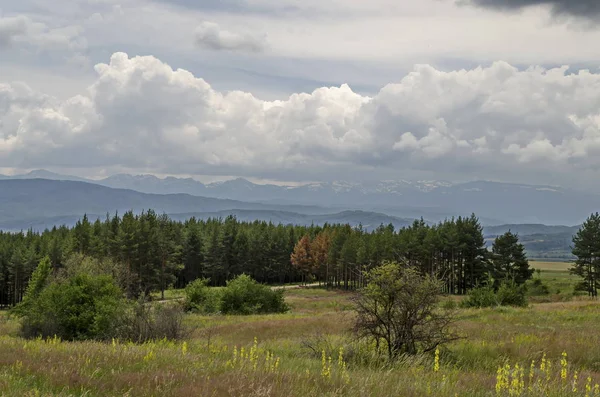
x=398, y=311
x=511, y=294
x=81, y=264
x=79, y=308
x=143, y=322
x=449, y=304
x=37, y=283
x=538, y=288
x=201, y=298
x=481, y=297
x=243, y=295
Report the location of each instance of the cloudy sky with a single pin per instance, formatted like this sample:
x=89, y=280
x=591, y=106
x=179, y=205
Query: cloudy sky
x=303, y=90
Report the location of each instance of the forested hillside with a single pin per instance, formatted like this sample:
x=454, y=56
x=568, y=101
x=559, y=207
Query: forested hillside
x=156, y=251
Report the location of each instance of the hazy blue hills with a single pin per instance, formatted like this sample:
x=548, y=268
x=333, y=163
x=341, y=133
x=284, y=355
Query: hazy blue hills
x=41, y=203
x=495, y=203
x=28, y=202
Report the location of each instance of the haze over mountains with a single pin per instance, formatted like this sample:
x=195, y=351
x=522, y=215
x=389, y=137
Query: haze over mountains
x=495, y=203
x=41, y=203
x=545, y=217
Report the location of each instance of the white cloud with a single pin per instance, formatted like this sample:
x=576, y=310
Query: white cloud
x=140, y=114
x=23, y=30
x=211, y=36
x=12, y=27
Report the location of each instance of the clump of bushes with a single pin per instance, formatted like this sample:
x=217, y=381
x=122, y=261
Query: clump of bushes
x=512, y=294
x=538, y=288
x=508, y=293
x=199, y=297
x=483, y=296
x=144, y=322
x=242, y=295
x=80, y=306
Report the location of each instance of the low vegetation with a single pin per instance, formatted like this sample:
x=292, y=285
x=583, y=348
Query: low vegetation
x=242, y=295
x=93, y=327
x=221, y=358
x=508, y=293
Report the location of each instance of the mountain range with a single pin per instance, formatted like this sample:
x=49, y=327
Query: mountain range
x=42, y=203
x=42, y=199
x=495, y=203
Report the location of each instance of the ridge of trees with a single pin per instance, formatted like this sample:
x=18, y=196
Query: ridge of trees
x=155, y=252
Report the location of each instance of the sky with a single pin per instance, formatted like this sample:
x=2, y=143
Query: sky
x=303, y=90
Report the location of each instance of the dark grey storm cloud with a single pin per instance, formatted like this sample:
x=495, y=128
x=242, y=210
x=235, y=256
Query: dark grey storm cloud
x=577, y=8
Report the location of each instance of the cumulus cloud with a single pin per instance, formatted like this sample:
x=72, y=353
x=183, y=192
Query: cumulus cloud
x=577, y=8
x=211, y=36
x=23, y=30
x=142, y=114
x=12, y=27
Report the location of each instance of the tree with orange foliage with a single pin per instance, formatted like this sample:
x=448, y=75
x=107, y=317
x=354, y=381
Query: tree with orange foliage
x=301, y=257
x=319, y=250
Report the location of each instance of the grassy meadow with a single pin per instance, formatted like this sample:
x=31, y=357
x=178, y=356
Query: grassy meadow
x=310, y=351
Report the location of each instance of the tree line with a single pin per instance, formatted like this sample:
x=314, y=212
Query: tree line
x=155, y=252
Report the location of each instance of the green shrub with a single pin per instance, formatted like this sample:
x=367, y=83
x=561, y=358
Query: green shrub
x=511, y=294
x=449, y=304
x=481, y=297
x=243, y=295
x=201, y=298
x=143, y=322
x=79, y=308
x=39, y=280
x=78, y=263
x=538, y=288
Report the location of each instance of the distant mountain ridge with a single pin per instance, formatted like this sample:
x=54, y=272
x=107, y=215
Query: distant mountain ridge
x=41, y=203
x=495, y=203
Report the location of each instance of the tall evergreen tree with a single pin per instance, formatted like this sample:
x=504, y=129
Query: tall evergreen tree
x=586, y=247
x=509, y=260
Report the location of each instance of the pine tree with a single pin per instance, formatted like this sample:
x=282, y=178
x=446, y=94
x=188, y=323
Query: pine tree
x=509, y=260
x=193, y=256
x=586, y=247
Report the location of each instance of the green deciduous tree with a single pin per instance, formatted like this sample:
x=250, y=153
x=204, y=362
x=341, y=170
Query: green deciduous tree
x=398, y=310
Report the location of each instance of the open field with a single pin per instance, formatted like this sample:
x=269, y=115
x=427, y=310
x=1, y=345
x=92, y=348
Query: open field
x=287, y=359
x=555, y=275
x=551, y=265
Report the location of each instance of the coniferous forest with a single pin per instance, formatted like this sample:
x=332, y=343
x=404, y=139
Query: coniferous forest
x=156, y=252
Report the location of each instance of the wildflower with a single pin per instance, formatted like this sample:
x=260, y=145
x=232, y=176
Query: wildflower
x=531, y=372
x=563, y=366
x=501, y=379
x=184, y=348
x=515, y=384
x=548, y=369
x=543, y=363
x=325, y=365
x=575, y=377
x=436, y=364
x=149, y=356
x=588, y=387
x=235, y=355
